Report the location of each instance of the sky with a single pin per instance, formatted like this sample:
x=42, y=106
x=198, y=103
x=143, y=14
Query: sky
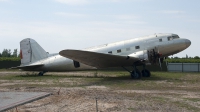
x=77, y=24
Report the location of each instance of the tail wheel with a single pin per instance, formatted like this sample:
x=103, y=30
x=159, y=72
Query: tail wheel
x=136, y=74
x=146, y=73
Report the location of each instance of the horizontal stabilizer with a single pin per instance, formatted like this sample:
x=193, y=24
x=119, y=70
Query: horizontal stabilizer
x=99, y=60
x=28, y=66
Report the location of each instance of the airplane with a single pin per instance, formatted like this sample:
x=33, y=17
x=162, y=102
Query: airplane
x=147, y=50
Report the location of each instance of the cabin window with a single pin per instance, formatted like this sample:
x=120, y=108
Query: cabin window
x=110, y=52
x=128, y=49
x=118, y=51
x=170, y=38
x=160, y=40
x=137, y=47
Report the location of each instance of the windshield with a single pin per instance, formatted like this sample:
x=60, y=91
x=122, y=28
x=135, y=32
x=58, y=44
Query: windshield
x=175, y=37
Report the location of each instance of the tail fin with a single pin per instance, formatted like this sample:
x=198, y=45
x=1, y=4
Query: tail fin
x=31, y=51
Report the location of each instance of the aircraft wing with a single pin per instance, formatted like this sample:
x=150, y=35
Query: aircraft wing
x=98, y=60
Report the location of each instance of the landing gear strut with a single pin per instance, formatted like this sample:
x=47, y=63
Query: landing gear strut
x=135, y=74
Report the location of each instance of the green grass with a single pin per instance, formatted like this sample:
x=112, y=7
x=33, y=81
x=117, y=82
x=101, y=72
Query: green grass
x=132, y=109
x=193, y=99
x=120, y=80
x=30, y=77
x=8, y=70
x=186, y=105
x=160, y=99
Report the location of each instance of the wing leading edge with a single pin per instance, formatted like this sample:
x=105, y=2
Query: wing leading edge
x=98, y=60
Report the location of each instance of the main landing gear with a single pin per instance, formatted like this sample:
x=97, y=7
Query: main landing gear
x=136, y=74
x=41, y=73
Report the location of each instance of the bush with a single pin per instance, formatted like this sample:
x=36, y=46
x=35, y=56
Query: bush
x=8, y=62
x=9, y=59
x=182, y=60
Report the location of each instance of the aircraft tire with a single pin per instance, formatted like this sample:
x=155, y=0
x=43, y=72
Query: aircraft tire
x=137, y=75
x=40, y=73
x=146, y=73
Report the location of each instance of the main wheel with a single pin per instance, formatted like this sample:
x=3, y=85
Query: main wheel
x=136, y=74
x=41, y=73
x=146, y=73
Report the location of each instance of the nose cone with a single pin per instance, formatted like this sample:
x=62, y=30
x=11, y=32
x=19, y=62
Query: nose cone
x=187, y=43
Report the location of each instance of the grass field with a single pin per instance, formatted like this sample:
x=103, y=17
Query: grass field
x=115, y=90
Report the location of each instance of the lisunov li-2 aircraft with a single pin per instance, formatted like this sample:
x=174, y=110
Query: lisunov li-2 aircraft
x=148, y=50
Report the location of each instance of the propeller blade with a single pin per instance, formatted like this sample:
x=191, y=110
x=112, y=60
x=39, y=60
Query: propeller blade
x=155, y=56
x=160, y=64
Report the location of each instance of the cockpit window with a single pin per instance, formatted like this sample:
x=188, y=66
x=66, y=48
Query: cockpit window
x=175, y=36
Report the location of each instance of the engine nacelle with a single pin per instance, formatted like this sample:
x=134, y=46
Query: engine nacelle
x=150, y=56
x=142, y=55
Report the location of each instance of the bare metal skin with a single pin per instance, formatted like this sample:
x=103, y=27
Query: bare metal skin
x=146, y=50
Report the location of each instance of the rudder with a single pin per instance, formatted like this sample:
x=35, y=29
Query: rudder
x=31, y=51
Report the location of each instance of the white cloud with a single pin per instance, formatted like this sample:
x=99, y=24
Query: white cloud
x=83, y=2
x=4, y=0
x=73, y=2
x=70, y=14
x=125, y=17
x=134, y=22
x=172, y=12
x=124, y=0
x=114, y=0
x=128, y=19
x=194, y=20
x=65, y=35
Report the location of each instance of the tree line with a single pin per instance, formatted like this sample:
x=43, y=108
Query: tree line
x=187, y=57
x=8, y=53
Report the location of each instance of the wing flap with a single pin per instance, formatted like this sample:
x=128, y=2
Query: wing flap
x=98, y=60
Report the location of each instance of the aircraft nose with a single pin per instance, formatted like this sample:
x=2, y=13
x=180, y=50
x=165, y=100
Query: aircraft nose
x=187, y=43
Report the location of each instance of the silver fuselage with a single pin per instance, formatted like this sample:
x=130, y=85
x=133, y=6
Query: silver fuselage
x=166, y=45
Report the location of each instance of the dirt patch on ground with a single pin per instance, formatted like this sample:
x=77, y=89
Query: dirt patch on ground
x=79, y=94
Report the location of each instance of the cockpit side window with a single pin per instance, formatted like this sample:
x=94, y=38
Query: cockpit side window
x=175, y=37
x=170, y=38
x=137, y=47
